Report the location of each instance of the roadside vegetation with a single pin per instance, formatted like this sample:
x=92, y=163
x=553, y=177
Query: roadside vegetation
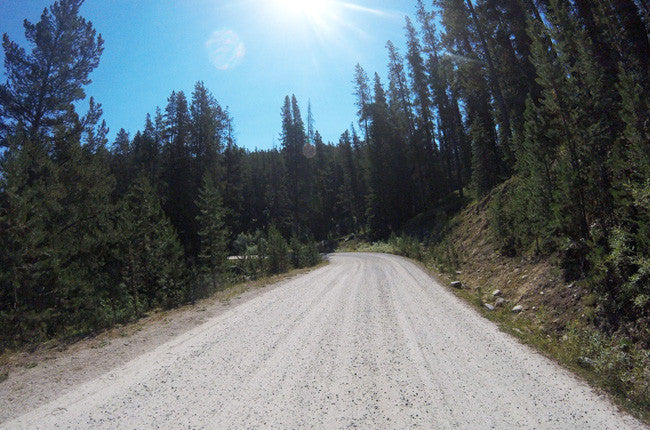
x=528, y=296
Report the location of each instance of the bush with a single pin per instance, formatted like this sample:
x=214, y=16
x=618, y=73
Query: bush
x=250, y=247
x=276, y=252
x=304, y=254
x=406, y=246
x=446, y=256
x=620, y=365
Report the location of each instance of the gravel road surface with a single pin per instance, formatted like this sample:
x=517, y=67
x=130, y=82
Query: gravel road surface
x=370, y=341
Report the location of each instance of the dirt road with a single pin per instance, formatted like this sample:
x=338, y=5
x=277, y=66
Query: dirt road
x=369, y=341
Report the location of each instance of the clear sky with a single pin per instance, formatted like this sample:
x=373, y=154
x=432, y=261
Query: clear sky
x=249, y=53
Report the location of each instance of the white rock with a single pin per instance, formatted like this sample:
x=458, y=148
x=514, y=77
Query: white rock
x=496, y=293
x=457, y=284
x=489, y=306
x=517, y=309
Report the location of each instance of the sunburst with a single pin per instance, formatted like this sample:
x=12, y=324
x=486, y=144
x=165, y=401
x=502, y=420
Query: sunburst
x=310, y=8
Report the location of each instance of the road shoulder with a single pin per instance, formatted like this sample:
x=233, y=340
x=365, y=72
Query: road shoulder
x=46, y=372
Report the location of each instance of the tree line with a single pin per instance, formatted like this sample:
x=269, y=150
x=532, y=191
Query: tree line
x=538, y=105
x=96, y=233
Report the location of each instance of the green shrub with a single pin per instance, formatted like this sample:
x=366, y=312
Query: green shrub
x=445, y=255
x=619, y=364
x=276, y=252
x=310, y=255
x=250, y=247
x=406, y=246
x=303, y=254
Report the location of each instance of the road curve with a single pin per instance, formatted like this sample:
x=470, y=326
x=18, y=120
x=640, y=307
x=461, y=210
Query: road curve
x=369, y=341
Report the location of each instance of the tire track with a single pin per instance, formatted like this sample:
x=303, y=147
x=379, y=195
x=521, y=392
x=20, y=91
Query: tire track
x=370, y=341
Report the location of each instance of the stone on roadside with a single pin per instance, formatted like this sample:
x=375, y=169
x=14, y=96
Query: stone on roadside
x=496, y=293
x=457, y=284
x=489, y=306
x=499, y=302
x=517, y=309
x=586, y=362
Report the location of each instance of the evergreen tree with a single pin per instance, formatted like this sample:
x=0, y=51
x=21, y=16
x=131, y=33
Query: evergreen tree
x=152, y=258
x=276, y=251
x=122, y=162
x=277, y=207
x=362, y=92
x=212, y=230
x=56, y=191
x=43, y=85
x=420, y=87
x=28, y=197
x=207, y=130
x=349, y=192
x=180, y=185
x=400, y=102
x=233, y=181
x=296, y=164
x=495, y=85
x=487, y=158
x=146, y=151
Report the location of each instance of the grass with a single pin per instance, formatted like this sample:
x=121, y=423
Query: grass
x=618, y=368
x=236, y=290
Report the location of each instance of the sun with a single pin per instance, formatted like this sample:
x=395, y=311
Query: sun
x=309, y=8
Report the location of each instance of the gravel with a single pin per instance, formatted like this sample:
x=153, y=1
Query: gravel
x=370, y=341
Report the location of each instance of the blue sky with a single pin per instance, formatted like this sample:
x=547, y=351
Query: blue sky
x=249, y=53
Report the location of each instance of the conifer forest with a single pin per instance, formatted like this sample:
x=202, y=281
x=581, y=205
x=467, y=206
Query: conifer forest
x=538, y=106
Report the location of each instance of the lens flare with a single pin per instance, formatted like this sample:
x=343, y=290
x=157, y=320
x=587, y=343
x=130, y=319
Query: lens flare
x=225, y=49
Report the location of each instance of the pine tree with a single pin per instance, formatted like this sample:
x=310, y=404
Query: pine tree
x=362, y=92
x=212, y=230
x=453, y=142
x=487, y=158
x=277, y=207
x=152, y=258
x=400, y=102
x=420, y=87
x=95, y=139
x=207, y=132
x=43, y=85
x=122, y=162
x=495, y=84
x=350, y=189
x=276, y=252
x=29, y=195
x=57, y=192
x=233, y=180
x=294, y=139
x=180, y=185
x=146, y=151
x=379, y=211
